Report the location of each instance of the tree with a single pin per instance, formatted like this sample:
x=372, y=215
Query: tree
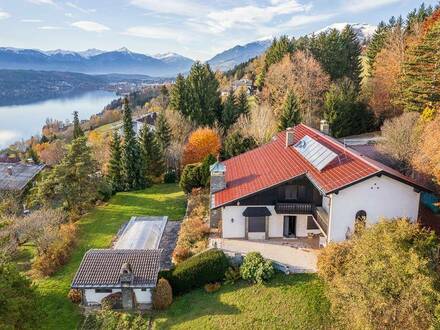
x=51, y=153
x=114, y=170
x=179, y=96
x=230, y=111
x=384, y=278
x=421, y=72
x=290, y=115
x=242, y=102
x=345, y=114
x=201, y=143
x=375, y=45
x=77, y=131
x=18, y=298
x=277, y=50
x=131, y=157
x=163, y=295
x=151, y=154
x=71, y=184
x=163, y=132
x=236, y=144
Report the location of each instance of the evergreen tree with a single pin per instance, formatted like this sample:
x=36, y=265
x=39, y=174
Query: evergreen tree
x=44, y=139
x=277, y=50
x=242, y=103
x=151, y=154
x=421, y=72
x=376, y=44
x=114, y=169
x=130, y=162
x=163, y=132
x=236, y=144
x=179, y=96
x=291, y=115
x=230, y=111
x=77, y=131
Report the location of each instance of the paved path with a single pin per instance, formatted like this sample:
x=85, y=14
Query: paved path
x=168, y=243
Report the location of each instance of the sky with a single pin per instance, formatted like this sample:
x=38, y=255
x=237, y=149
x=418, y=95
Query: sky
x=197, y=29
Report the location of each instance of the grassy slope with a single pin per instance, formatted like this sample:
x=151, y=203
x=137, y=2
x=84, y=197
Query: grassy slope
x=97, y=230
x=287, y=302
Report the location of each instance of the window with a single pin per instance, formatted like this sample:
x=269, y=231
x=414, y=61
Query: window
x=291, y=192
x=256, y=224
x=311, y=224
x=103, y=290
x=361, y=215
x=144, y=289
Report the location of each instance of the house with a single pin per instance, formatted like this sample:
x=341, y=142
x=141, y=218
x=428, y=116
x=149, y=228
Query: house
x=304, y=183
x=130, y=269
x=17, y=176
x=245, y=83
x=138, y=123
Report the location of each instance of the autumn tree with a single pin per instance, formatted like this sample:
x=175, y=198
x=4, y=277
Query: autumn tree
x=51, y=153
x=77, y=131
x=99, y=143
x=114, y=168
x=201, y=143
x=290, y=115
x=375, y=45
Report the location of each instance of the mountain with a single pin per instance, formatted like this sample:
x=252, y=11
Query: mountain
x=363, y=31
x=93, y=61
x=229, y=58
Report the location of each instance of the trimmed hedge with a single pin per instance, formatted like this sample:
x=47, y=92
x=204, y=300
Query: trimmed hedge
x=206, y=267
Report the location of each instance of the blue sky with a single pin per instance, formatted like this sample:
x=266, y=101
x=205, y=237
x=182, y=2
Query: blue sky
x=194, y=28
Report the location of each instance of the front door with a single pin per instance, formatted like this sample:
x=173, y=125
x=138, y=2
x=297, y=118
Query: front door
x=289, y=226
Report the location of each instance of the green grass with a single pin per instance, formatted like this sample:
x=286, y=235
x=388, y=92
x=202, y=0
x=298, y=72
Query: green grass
x=96, y=230
x=286, y=302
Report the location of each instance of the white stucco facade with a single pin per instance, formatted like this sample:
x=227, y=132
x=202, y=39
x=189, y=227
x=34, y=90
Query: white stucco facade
x=94, y=298
x=380, y=197
x=143, y=297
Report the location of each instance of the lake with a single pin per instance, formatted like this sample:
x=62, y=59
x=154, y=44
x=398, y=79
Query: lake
x=22, y=121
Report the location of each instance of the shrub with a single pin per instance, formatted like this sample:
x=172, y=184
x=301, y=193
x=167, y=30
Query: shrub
x=170, y=177
x=108, y=319
x=208, y=266
x=163, y=295
x=105, y=190
x=112, y=301
x=256, y=269
x=190, y=178
x=181, y=253
x=212, y=287
x=74, y=295
x=332, y=259
x=232, y=275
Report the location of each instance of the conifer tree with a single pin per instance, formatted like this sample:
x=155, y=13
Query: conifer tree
x=230, y=113
x=242, y=103
x=375, y=45
x=114, y=170
x=163, y=131
x=151, y=155
x=179, y=96
x=291, y=115
x=77, y=131
x=130, y=162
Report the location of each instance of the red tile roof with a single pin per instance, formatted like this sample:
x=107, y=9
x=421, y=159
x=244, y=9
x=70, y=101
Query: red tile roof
x=274, y=163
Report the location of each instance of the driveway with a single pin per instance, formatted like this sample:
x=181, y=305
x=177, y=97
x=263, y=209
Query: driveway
x=296, y=254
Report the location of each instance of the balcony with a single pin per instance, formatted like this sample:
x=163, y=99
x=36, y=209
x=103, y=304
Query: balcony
x=294, y=208
x=321, y=218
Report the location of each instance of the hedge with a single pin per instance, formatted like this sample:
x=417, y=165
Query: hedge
x=195, y=272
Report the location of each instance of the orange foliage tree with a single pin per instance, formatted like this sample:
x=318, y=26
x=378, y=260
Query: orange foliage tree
x=201, y=143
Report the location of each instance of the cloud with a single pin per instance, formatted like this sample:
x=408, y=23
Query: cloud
x=4, y=15
x=31, y=20
x=42, y=2
x=90, y=26
x=358, y=6
x=50, y=27
x=83, y=10
x=301, y=20
x=153, y=32
x=175, y=7
x=7, y=136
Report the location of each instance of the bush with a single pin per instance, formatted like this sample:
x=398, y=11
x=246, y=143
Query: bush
x=232, y=275
x=208, y=266
x=170, y=177
x=112, y=301
x=190, y=178
x=108, y=319
x=163, y=295
x=181, y=253
x=105, y=190
x=212, y=287
x=256, y=269
x=332, y=259
x=74, y=295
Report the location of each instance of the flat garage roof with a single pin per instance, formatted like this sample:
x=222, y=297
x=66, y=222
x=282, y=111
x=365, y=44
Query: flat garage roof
x=142, y=233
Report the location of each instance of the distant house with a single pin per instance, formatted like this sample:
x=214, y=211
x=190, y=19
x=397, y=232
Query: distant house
x=144, y=247
x=138, y=123
x=246, y=83
x=17, y=176
x=302, y=183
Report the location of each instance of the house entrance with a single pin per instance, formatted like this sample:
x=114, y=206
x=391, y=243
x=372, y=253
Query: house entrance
x=289, y=226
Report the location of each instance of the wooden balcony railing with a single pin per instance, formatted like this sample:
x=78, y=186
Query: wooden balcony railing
x=294, y=208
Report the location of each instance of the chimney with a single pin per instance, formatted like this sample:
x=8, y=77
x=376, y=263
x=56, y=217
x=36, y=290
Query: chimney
x=9, y=170
x=290, y=137
x=324, y=127
x=126, y=279
x=218, y=181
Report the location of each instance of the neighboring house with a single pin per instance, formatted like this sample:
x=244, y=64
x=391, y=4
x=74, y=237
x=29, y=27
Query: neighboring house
x=143, y=248
x=304, y=182
x=246, y=83
x=138, y=123
x=17, y=176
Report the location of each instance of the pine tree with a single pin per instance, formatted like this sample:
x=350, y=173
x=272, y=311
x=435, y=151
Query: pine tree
x=77, y=131
x=376, y=44
x=130, y=162
x=179, y=96
x=242, y=103
x=291, y=115
x=114, y=170
x=151, y=154
x=163, y=132
x=230, y=111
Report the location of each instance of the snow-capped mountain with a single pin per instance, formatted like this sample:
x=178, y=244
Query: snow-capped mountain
x=363, y=31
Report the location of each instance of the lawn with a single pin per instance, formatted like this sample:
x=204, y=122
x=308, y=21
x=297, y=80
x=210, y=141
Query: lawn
x=96, y=230
x=286, y=302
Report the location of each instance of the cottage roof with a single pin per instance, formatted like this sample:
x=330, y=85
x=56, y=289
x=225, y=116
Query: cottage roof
x=274, y=163
x=15, y=176
x=101, y=268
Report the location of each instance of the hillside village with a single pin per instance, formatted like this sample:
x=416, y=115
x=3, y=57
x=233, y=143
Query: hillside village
x=298, y=190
